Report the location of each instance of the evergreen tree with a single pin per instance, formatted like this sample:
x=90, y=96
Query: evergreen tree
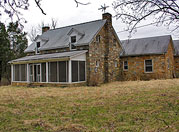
x=4, y=50
x=18, y=40
x=13, y=42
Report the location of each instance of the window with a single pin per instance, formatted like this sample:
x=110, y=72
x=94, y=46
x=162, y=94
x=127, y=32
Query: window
x=115, y=64
x=114, y=41
x=72, y=46
x=37, y=47
x=125, y=65
x=148, y=66
x=97, y=63
x=97, y=38
x=73, y=39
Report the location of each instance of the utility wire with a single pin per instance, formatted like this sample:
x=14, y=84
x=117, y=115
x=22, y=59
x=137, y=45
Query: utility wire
x=142, y=26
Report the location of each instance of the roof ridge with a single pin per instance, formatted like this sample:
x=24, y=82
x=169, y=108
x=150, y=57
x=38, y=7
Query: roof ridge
x=146, y=37
x=77, y=24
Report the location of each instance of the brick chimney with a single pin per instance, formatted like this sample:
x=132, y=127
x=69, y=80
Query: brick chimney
x=45, y=29
x=108, y=17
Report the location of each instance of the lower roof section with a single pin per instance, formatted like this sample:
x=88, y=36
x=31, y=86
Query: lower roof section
x=49, y=57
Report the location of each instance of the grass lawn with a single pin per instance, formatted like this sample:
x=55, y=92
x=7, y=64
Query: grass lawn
x=134, y=106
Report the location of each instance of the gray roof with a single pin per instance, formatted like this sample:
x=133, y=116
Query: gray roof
x=49, y=56
x=146, y=46
x=176, y=47
x=58, y=38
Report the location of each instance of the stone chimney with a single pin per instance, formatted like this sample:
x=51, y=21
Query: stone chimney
x=107, y=40
x=108, y=17
x=45, y=29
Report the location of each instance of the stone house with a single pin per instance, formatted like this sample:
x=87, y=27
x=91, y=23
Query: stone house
x=176, y=57
x=86, y=53
x=91, y=53
x=148, y=58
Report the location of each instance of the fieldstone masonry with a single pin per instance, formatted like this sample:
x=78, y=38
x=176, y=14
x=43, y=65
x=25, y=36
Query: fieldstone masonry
x=104, y=64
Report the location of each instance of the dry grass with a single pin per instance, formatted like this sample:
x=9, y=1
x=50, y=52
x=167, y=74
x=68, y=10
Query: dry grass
x=149, y=106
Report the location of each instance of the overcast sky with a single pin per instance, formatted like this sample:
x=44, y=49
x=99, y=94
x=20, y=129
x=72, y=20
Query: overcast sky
x=66, y=12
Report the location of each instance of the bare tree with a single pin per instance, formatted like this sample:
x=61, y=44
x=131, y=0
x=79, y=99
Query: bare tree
x=13, y=8
x=132, y=12
x=37, y=30
x=54, y=23
x=33, y=34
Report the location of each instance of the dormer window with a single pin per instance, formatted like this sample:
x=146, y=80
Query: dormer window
x=73, y=39
x=37, y=47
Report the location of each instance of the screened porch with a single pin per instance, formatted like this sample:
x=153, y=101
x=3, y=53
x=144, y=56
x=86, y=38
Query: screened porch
x=68, y=69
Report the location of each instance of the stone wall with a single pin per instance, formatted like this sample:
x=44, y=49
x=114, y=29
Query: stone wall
x=41, y=84
x=113, y=57
x=176, y=58
x=163, y=66
x=136, y=67
x=169, y=61
x=106, y=53
x=96, y=55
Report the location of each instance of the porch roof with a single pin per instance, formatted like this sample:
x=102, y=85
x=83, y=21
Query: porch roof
x=48, y=57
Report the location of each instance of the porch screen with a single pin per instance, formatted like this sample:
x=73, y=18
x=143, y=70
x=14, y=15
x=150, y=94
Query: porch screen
x=16, y=73
x=74, y=71
x=82, y=70
x=63, y=71
x=53, y=71
x=23, y=72
x=78, y=71
x=20, y=72
x=43, y=66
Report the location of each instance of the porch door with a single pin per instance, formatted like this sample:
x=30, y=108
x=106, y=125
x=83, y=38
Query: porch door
x=31, y=73
x=37, y=73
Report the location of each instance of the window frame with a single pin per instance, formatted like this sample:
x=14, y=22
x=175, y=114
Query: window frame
x=115, y=64
x=148, y=66
x=37, y=48
x=125, y=65
x=98, y=38
x=97, y=64
x=74, y=36
x=114, y=41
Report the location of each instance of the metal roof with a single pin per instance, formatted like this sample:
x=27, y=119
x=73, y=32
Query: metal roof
x=58, y=38
x=176, y=47
x=146, y=46
x=49, y=56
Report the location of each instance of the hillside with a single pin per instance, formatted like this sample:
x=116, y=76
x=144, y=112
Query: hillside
x=134, y=106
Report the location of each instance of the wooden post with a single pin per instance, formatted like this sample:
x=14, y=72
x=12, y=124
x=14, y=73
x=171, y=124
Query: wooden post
x=12, y=73
x=47, y=72
x=69, y=74
x=28, y=76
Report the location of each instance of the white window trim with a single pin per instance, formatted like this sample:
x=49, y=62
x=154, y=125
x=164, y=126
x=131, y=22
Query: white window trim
x=37, y=48
x=97, y=64
x=127, y=66
x=145, y=67
x=115, y=64
x=98, y=38
x=71, y=37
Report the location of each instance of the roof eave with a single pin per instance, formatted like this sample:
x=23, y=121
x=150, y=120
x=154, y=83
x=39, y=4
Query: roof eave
x=132, y=55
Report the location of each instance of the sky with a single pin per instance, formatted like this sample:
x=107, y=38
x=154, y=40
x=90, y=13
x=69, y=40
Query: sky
x=66, y=12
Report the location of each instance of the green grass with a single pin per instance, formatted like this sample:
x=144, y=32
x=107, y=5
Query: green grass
x=134, y=106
